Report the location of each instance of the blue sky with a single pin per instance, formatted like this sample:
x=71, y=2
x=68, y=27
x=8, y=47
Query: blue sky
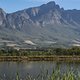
x=15, y=5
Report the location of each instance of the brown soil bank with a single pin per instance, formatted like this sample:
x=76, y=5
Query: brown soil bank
x=40, y=58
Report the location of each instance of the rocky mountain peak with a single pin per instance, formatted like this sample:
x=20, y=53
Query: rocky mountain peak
x=51, y=3
x=2, y=12
x=50, y=6
x=47, y=22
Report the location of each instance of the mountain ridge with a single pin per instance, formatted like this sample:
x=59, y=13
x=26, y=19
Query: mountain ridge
x=42, y=24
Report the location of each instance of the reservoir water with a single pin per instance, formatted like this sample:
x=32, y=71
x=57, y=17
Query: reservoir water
x=9, y=70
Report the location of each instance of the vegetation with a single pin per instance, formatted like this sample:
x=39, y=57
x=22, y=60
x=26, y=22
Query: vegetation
x=55, y=75
x=39, y=51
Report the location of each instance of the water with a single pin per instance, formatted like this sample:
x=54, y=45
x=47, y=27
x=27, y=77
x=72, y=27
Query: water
x=8, y=70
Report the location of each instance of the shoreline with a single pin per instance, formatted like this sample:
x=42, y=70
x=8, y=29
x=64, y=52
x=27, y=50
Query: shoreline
x=40, y=58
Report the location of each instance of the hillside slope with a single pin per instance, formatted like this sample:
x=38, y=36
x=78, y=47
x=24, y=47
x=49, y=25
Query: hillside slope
x=45, y=25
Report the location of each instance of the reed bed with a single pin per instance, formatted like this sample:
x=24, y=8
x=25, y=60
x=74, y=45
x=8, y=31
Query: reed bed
x=56, y=74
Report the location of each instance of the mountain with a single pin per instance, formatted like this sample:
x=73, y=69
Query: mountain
x=42, y=26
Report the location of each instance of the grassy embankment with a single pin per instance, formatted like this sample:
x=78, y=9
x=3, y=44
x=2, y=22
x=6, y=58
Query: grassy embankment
x=40, y=58
x=50, y=54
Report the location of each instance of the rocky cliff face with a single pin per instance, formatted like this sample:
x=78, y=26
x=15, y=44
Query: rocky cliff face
x=2, y=18
x=47, y=22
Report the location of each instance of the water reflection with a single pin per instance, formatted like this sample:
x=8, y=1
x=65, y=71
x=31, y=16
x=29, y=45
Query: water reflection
x=9, y=69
